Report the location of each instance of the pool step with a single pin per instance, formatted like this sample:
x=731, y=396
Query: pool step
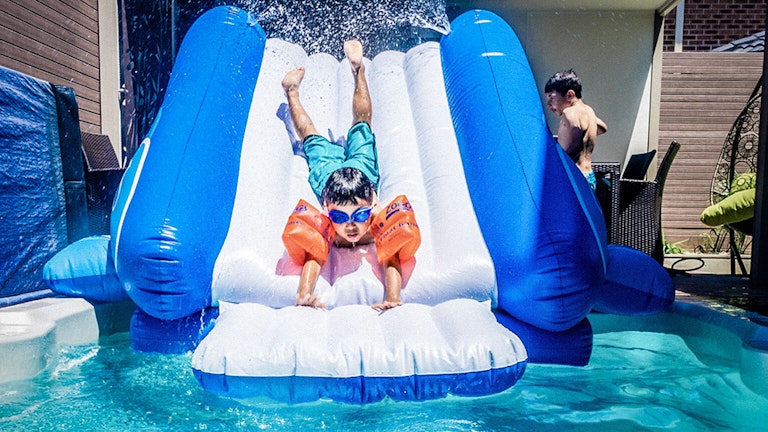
x=31, y=331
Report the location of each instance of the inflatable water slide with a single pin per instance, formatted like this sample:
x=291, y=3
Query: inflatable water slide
x=513, y=254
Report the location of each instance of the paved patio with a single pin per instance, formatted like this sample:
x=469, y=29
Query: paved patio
x=731, y=290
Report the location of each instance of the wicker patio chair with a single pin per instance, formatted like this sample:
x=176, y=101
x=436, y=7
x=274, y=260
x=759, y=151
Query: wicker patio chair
x=639, y=221
x=738, y=156
x=607, y=193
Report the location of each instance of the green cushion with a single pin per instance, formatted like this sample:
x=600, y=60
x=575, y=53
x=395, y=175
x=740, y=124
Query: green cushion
x=737, y=207
x=743, y=182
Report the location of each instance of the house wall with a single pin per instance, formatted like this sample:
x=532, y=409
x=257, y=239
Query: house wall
x=57, y=42
x=611, y=51
x=696, y=104
x=63, y=42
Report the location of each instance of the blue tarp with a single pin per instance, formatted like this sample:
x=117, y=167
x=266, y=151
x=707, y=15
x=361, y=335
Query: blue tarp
x=33, y=201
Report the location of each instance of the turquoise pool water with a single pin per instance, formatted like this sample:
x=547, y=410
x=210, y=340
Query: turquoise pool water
x=637, y=380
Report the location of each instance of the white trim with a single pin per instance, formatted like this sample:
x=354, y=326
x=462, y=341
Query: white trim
x=109, y=74
x=679, y=23
x=134, y=182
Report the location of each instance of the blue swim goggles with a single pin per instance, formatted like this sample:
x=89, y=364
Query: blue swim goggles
x=360, y=215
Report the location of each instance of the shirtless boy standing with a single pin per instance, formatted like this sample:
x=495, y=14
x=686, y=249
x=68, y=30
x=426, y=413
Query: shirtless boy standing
x=579, y=126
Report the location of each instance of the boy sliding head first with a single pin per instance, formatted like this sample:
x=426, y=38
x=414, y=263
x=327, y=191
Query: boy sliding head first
x=579, y=126
x=346, y=181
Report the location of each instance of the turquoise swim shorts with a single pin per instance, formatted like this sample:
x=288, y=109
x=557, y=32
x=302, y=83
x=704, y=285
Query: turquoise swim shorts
x=325, y=157
x=591, y=179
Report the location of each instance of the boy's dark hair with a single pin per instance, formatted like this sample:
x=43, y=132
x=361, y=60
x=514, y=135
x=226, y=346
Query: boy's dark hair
x=347, y=184
x=563, y=81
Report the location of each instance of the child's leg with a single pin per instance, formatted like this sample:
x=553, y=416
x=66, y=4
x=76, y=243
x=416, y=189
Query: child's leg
x=361, y=101
x=361, y=144
x=361, y=151
x=322, y=157
x=301, y=120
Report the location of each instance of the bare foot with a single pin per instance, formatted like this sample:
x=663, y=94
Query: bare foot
x=292, y=79
x=354, y=52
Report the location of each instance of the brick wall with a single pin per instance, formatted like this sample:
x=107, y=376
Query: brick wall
x=712, y=23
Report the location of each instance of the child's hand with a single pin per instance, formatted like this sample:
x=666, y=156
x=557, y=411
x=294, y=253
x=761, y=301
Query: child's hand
x=386, y=305
x=310, y=300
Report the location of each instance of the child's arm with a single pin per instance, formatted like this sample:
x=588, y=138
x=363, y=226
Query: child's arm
x=397, y=238
x=393, y=282
x=310, y=272
x=601, y=126
x=307, y=236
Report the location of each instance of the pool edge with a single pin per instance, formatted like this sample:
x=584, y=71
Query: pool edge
x=30, y=332
x=747, y=345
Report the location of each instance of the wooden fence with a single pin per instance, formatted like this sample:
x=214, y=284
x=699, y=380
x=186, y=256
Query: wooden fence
x=701, y=96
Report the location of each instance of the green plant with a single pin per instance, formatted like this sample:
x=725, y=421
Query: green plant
x=716, y=241
x=673, y=248
x=713, y=241
x=742, y=241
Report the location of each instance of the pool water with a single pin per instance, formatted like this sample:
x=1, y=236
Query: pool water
x=635, y=381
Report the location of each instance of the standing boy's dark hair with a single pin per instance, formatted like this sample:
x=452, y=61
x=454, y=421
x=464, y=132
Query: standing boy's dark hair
x=563, y=81
x=347, y=184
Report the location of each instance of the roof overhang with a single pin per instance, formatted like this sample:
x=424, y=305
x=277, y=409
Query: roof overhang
x=663, y=7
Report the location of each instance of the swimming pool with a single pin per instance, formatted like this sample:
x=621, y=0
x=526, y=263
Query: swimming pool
x=675, y=370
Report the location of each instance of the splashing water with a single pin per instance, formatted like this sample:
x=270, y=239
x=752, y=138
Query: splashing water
x=324, y=25
x=154, y=29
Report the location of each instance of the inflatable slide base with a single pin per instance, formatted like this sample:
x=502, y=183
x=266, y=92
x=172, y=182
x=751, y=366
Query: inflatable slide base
x=356, y=354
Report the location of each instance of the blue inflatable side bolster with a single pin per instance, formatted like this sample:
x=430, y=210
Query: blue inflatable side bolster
x=635, y=284
x=85, y=269
x=570, y=347
x=594, y=212
x=152, y=335
x=547, y=266
x=173, y=208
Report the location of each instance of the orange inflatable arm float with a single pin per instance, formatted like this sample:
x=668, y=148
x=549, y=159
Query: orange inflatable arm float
x=308, y=234
x=396, y=231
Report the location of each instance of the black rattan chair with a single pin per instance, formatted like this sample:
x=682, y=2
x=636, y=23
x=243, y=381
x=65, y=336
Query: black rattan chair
x=607, y=192
x=739, y=156
x=639, y=222
x=638, y=165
